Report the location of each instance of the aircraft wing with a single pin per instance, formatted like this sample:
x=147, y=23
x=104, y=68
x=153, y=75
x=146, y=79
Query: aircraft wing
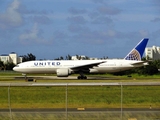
x=87, y=66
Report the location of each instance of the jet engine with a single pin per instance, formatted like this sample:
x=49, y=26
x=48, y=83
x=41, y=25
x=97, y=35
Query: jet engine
x=63, y=72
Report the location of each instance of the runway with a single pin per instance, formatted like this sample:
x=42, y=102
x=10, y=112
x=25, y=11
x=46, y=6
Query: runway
x=87, y=114
x=43, y=110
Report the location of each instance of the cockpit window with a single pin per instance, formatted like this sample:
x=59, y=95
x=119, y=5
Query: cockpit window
x=17, y=65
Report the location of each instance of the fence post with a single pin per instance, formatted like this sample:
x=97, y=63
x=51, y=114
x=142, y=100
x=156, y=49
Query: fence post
x=9, y=102
x=121, y=101
x=66, y=101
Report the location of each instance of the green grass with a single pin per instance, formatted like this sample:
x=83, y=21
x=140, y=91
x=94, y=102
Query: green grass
x=87, y=97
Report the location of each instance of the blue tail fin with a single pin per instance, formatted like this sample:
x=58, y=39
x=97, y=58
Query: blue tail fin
x=137, y=52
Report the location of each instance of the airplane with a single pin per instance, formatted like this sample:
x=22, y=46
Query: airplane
x=64, y=68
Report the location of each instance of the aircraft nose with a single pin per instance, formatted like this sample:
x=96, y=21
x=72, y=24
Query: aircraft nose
x=15, y=68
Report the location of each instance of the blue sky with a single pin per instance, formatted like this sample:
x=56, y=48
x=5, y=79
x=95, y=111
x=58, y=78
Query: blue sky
x=95, y=28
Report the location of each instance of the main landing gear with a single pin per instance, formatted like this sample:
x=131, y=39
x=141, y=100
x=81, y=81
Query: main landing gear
x=81, y=76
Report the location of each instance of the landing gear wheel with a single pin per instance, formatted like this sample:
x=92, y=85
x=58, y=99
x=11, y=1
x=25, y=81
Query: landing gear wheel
x=82, y=77
x=79, y=77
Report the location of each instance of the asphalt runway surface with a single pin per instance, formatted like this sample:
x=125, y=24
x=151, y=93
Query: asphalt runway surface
x=87, y=113
x=83, y=110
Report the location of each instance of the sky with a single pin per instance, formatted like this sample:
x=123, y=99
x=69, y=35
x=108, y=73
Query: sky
x=96, y=28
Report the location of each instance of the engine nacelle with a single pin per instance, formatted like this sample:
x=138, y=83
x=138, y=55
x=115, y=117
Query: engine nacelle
x=63, y=72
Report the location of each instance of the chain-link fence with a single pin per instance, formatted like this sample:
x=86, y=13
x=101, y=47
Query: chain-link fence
x=80, y=101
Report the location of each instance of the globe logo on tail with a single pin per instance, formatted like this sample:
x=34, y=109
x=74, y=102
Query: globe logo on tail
x=134, y=55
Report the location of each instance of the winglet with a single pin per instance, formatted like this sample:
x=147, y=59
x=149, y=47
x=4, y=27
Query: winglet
x=137, y=52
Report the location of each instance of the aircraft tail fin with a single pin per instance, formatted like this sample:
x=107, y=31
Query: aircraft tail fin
x=137, y=52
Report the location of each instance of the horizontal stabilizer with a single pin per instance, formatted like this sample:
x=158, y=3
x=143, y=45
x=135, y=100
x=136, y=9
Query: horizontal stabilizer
x=140, y=63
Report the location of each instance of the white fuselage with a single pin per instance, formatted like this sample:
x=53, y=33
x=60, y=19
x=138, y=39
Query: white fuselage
x=64, y=68
x=51, y=66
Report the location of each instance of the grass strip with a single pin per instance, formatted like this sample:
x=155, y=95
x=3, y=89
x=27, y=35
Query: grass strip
x=77, y=97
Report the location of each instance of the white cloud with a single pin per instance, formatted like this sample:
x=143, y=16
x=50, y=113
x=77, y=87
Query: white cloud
x=11, y=17
x=108, y=10
x=102, y=20
x=111, y=33
x=77, y=20
x=76, y=11
x=144, y=33
x=43, y=19
x=32, y=36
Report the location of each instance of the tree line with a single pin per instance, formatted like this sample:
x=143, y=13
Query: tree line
x=69, y=57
